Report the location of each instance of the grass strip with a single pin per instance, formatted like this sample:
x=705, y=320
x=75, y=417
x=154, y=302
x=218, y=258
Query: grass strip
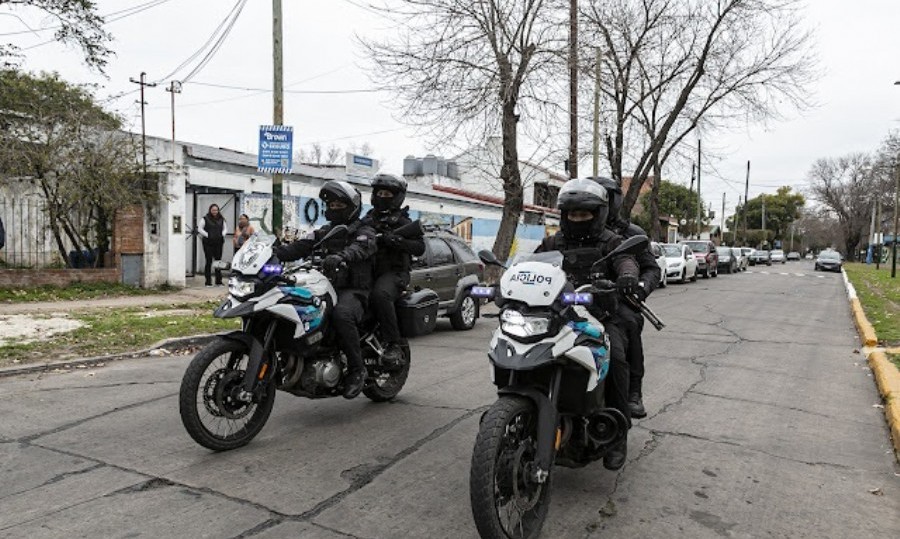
x=880, y=298
x=115, y=331
x=76, y=291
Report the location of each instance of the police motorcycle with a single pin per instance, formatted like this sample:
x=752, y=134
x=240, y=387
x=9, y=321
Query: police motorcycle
x=549, y=360
x=228, y=389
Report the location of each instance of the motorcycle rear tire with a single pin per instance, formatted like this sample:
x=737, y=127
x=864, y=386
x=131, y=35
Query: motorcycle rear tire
x=486, y=457
x=187, y=401
x=396, y=381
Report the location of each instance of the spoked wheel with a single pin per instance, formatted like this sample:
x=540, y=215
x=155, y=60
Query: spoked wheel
x=507, y=503
x=384, y=385
x=210, y=409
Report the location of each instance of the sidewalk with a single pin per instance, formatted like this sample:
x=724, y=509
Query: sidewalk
x=191, y=294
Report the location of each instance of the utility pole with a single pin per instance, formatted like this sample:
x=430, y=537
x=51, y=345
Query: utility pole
x=894, y=255
x=174, y=88
x=870, y=252
x=144, y=84
x=597, y=116
x=573, y=88
x=746, y=199
x=691, y=199
x=722, y=218
x=737, y=221
x=699, y=199
x=765, y=233
x=792, y=238
x=278, y=112
x=878, y=235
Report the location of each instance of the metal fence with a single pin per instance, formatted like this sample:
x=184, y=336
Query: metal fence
x=29, y=242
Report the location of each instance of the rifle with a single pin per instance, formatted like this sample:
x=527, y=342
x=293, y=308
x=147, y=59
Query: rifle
x=646, y=311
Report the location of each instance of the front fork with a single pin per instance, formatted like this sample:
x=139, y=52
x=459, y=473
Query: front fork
x=548, y=422
x=257, y=368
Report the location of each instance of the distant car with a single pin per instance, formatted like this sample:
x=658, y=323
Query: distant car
x=793, y=255
x=680, y=262
x=706, y=255
x=760, y=256
x=727, y=261
x=809, y=256
x=451, y=269
x=778, y=256
x=660, y=255
x=742, y=259
x=829, y=261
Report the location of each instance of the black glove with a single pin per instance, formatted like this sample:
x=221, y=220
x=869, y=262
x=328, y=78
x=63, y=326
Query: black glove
x=641, y=293
x=332, y=263
x=627, y=283
x=280, y=252
x=392, y=241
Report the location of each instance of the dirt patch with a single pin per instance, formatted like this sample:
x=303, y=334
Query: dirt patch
x=23, y=328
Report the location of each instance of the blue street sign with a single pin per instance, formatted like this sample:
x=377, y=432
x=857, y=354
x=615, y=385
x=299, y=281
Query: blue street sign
x=276, y=148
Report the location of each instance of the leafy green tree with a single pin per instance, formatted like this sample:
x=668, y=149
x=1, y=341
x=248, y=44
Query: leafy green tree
x=54, y=135
x=76, y=23
x=675, y=200
x=782, y=209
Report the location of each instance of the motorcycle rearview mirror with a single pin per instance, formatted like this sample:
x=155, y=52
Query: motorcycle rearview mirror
x=631, y=246
x=489, y=258
x=340, y=231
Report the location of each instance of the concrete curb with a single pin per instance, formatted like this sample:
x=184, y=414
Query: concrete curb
x=173, y=343
x=887, y=377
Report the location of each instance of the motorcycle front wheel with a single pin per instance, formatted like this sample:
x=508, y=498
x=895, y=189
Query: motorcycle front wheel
x=506, y=502
x=210, y=410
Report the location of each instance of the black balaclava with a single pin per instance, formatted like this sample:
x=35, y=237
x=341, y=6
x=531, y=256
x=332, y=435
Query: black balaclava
x=339, y=217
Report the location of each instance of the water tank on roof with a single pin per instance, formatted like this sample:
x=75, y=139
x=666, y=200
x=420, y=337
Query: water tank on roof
x=412, y=166
x=429, y=164
x=441, y=167
x=452, y=170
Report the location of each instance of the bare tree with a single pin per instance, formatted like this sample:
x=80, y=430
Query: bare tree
x=673, y=66
x=464, y=68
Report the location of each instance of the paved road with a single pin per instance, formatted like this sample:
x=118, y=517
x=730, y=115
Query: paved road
x=761, y=424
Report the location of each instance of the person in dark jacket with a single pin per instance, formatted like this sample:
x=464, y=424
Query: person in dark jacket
x=393, y=260
x=213, y=229
x=631, y=320
x=583, y=239
x=349, y=265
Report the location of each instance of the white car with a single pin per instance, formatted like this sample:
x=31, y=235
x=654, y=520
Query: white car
x=660, y=255
x=680, y=262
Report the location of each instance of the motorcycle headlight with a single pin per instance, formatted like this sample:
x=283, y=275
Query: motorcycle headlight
x=518, y=325
x=241, y=289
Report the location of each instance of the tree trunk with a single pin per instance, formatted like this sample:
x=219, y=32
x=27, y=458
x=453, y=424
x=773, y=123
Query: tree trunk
x=512, y=184
x=54, y=224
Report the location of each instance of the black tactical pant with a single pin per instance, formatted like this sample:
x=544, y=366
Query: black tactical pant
x=387, y=290
x=618, y=377
x=346, y=316
x=212, y=251
x=632, y=324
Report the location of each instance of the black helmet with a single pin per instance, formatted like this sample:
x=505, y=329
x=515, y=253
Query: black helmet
x=346, y=193
x=392, y=183
x=615, y=197
x=583, y=194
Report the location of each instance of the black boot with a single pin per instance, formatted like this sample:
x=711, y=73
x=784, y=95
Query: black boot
x=392, y=358
x=354, y=383
x=636, y=405
x=616, y=456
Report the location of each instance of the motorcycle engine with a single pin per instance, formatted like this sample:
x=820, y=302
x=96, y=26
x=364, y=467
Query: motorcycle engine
x=327, y=373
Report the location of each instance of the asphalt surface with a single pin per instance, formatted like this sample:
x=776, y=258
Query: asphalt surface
x=762, y=424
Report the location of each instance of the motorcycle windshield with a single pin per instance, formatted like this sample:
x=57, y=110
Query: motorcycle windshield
x=253, y=255
x=547, y=257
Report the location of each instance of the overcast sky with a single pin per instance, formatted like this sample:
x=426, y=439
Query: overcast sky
x=857, y=105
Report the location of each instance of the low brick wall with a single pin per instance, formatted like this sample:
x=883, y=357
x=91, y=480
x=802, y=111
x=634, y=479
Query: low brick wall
x=38, y=277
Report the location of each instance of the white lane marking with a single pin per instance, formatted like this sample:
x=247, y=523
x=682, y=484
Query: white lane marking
x=764, y=272
x=820, y=276
x=800, y=274
x=783, y=273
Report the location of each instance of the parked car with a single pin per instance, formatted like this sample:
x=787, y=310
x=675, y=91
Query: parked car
x=727, y=261
x=777, y=255
x=793, y=255
x=743, y=260
x=660, y=255
x=707, y=258
x=681, y=263
x=829, y=261
x=451, y=269
x=760, y=256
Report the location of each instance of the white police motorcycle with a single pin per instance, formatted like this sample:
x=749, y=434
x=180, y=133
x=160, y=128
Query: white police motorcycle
x=549, y=360
x=284, y=343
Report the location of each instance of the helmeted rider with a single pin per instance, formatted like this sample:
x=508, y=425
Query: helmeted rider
x=631, y=320
x=394, y=258
x=349, y=265
x=583, y=239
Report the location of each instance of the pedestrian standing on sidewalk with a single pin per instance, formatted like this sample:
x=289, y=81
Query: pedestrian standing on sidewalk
x=243, y=231
x=213, y=229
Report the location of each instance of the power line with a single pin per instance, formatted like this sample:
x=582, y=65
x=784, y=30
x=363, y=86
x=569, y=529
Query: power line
x=107, y=18
x=239, y=6
x=229, y=87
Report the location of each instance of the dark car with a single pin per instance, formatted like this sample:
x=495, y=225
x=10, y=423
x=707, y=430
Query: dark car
x=760, y=256
x=706, y=256
x=829, y=261
x=728, y=262
x=451, y=269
